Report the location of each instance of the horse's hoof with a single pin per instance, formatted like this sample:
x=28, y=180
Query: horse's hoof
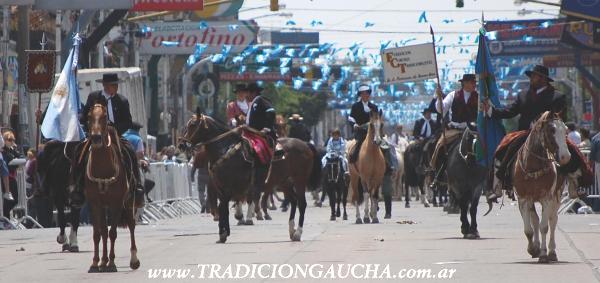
x=407, y=205
x=239, y=216
x=387, y=216
x=359, y=221
x=134, y=265
x=66, y=247
x=534, y=252
x=241, y=222
x=61, y=239
x=216, y=219
x=259, y=217
x=94, y=269
x=268, y=217
x=345, y=217
x=375, y=220
x=426, y=204
x=110, y=268
x=552, y=257
x=74, y=249
x=471, y=236
x=318, y=204
x=222, y=238
x=338, y=214
x=272, y=207
x=249, y=222
x=445, y=209
x=332, y=218
x=297, y=236
x=543, y=259
x=366, y=220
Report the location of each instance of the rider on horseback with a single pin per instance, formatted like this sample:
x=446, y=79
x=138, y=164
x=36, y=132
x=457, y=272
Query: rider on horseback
x=359, y=116
x=119, y=116
x=237, y=110
x=462, y=105
x=540, y=97
x=336, y=147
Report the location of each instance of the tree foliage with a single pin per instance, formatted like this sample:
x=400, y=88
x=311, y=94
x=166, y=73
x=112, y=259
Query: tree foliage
x=288, y=101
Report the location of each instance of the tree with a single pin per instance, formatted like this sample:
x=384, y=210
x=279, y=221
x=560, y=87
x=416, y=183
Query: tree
x=287, y=101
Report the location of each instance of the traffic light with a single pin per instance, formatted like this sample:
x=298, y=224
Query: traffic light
x=459, y=3
x=274, y=5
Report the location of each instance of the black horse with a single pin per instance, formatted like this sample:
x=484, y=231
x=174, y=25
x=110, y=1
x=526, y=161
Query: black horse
x=54, y=168
x=465, y=178
x=440, y=190
x=415, y=163
x=336, y=186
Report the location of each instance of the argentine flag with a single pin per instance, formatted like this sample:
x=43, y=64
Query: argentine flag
x=62, y=117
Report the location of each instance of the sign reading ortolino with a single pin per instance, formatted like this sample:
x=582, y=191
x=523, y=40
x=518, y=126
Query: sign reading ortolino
x=409, y=63
x=238, y=34
x=167, y=5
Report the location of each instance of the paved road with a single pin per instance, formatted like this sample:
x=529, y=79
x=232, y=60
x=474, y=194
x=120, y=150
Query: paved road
x=433, y=242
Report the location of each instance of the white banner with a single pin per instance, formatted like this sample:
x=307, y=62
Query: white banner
x=185, y=35
x=409, y=63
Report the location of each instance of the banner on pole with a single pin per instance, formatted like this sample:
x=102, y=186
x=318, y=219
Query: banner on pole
x=408, y=63
x=40, y=70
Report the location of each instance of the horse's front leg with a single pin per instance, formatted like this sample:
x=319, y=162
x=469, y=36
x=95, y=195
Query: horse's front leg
x=546, y=210
x=367, y=200
x=223, y=220
x=112, y=234
x=134, y=262
x=62, y=223
x=526, y=211
x=96, y=215
x=473, y=232
x=374, y=207
x=74, y=246
x=464, y=228
x=300, y=190
x=104, y=233
x=553, y=219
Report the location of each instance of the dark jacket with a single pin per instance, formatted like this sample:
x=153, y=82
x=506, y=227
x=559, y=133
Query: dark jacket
x=300, y=131
x=359, y=114
x=262, y=114
x=531, y=105
x=435, y=126
x=121, y=111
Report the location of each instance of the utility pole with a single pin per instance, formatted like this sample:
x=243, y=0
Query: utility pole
x=23, y=133
x=5, y=46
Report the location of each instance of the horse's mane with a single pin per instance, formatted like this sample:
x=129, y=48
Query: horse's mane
x=537, y=126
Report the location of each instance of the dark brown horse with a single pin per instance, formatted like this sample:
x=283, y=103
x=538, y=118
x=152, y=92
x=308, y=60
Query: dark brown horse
x=231, y=163
x=107, y=188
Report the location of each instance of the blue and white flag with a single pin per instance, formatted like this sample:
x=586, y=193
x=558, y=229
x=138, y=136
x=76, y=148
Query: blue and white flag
x=62, y=116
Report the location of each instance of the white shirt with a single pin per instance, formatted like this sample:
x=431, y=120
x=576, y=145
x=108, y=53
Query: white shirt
x=447, y=102
x=111, y=115
x=366, y=106
x=243, y=105
x=540, y=90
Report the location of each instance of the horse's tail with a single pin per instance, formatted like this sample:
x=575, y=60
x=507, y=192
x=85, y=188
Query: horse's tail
x=315, y=173
x=360, y=198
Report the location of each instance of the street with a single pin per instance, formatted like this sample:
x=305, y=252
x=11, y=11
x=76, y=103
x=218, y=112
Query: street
x=433, y=242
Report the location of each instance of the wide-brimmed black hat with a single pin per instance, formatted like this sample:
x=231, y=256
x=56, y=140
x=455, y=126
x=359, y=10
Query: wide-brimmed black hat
x=540, y=70
x=109, y=78
x=240, y=87
x=468, y=77
x=426, y=110
x=136, y=126
x=253, y=87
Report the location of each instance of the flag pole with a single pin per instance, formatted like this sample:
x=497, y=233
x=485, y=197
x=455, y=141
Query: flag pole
x=439, y=93
x=39, y=106
x=484, y=75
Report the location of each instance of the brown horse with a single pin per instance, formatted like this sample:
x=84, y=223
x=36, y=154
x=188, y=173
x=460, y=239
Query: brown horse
x=369, y=169
x=107, y=187
x=231, y=160
x=536, y=180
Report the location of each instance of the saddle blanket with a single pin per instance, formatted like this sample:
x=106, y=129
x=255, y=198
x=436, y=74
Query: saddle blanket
x=260, y=145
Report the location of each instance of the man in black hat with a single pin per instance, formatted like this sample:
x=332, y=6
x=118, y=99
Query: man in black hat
x=461, y=106
x=425, y=127
x=359, y=116
x=237, y=110
x=261, y=115
x=298, y=129
x=540, y=97
x=116, y=104
x=119, y=116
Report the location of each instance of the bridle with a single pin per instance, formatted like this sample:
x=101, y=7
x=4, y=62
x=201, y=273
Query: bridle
x=548, y=146
x=103, y=183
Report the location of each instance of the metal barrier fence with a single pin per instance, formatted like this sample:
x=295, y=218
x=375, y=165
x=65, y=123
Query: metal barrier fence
x=19, y=214
x=174, y=193
x=593, y=192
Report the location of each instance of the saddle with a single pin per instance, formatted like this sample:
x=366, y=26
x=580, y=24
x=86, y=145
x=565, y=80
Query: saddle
x=506, y=141
x=259, y=143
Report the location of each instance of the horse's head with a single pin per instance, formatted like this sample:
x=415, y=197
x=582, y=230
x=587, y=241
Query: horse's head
x=376, y=125
x=97, y=125
x=554, y=137
x=200, y=128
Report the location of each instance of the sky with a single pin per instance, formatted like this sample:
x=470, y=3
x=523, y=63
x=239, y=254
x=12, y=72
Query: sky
x=396, y=20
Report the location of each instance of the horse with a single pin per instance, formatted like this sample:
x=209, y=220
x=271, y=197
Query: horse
x=440, y=191
x=54, y=169
x=398, y=175
x=369, y=170
x=107, y=187
x=415, y=163
x=335, y=184
x=227, y=151
x=465, y=178
x=536, y=179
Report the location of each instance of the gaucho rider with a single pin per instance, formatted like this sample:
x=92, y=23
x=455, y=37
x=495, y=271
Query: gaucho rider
x=119, y=117
x=237, y=110
x=540, y=97
x=462, y=105
x=359, y=116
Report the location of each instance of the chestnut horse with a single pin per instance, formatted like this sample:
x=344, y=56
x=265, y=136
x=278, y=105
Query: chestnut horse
x=231, y=165
x=536, y=179
x=369, y=169
x=107, y=188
